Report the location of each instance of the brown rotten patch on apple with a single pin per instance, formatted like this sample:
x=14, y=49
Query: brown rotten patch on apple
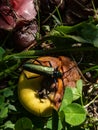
x=52, y=85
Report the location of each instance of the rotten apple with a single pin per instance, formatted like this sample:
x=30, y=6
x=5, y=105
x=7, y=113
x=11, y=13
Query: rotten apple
x=40, y=94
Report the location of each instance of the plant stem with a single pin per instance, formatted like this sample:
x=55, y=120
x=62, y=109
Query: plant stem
x=89, y=69
x=91, y=102
x=52, y=12
x=36, y=53
x=81, y=100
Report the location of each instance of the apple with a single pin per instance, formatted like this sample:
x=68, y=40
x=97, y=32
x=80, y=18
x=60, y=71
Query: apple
x=31, y=84
x=28, y=95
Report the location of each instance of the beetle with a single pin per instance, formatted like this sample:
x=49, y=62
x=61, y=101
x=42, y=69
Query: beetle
x=43, y=70
x=52, y=76
x=52, y=73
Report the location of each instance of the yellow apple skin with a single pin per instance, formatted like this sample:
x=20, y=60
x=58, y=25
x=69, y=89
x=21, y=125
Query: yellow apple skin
x=28, y=87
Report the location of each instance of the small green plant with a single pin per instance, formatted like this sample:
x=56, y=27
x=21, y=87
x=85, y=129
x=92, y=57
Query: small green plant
x=72, y=109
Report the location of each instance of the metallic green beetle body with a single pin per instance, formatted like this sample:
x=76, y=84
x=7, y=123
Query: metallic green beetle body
x=42, y=70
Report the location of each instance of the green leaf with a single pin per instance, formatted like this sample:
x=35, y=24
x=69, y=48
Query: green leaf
x=49, y=123
x=77, y=92
x=67, y=98
x=79, y=86
x=2, y=51
x=56, y=20
x=62, y=118
x=2, y=99
x=46, y=28
x=77, y=38
x=55, y=120
x=81, y=32
x=57, y=37
x=75, y=114
x=23, y=124
x=4, y=112
x=60, y=126
x=69, y=29
x=54, y=123
x=12, y=107
x=9, y=124
x=64, y=29
x=90, y=33
x=8, y=92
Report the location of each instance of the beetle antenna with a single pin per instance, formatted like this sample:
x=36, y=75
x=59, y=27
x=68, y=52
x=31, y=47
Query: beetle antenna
x=79, y=69
x=77, y=63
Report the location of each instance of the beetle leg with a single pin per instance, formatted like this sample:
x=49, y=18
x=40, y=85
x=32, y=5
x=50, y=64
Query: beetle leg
x=38, y=61
x=43, y=63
